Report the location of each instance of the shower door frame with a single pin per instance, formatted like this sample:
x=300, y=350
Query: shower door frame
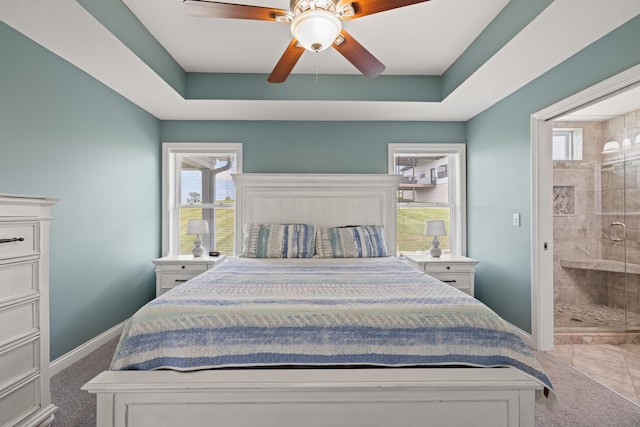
x=614, y=217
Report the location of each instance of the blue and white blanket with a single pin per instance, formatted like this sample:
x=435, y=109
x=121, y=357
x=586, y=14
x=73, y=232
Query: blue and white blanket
x=251, y=312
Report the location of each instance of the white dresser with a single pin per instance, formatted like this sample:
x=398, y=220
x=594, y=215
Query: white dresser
x=25, y=398
x=457, y=271
x=173, y=270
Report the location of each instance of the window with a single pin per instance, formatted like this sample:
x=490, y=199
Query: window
x=567, y=144
x=432, y=187
x=197, y=184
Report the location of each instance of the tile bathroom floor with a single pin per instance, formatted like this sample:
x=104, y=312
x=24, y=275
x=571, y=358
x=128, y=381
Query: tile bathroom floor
x=616, y=366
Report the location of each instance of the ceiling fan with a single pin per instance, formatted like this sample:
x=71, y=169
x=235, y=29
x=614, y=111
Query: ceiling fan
x=315, y=25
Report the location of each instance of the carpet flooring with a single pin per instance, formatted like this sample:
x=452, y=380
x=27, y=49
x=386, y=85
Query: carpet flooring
x=582, y=402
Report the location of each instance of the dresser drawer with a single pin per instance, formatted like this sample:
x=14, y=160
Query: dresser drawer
x=18, y=279
x=19, y=239
x=461, y=281
x=19, y=402
x=19, y=361
x=17, y=321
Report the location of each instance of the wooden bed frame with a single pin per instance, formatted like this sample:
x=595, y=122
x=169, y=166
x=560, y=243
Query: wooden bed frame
x=371, y=397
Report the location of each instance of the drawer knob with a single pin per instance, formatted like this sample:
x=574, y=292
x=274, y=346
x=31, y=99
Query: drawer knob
x=15, y=239
x=183, y=267
x=449, y=281
x=448, y=268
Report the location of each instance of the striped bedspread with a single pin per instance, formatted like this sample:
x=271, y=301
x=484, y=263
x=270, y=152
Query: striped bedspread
x=251, y=312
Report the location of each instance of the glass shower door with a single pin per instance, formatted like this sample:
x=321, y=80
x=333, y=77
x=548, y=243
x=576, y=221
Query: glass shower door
x=620, y=206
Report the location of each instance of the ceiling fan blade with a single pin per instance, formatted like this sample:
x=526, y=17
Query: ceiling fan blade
x=286, y=63
x=360, y=57
x=214, y=9
x=369, y=7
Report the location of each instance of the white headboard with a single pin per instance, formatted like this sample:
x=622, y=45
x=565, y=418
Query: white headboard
x=320, y=199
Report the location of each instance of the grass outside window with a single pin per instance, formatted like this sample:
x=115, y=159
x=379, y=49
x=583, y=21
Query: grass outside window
x=411, y=222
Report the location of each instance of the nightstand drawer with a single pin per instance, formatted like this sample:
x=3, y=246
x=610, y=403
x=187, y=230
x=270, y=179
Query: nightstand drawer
x=456, y=270
x=174, y=270
x=19, y=239
x=193, y=268
x=171, y=280
x=448, y=268
x=461, y=281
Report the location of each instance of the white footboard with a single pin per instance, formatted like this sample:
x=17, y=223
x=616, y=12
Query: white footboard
x=316, y=398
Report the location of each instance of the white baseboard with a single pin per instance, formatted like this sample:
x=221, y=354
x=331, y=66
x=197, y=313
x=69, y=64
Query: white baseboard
x=79, y=352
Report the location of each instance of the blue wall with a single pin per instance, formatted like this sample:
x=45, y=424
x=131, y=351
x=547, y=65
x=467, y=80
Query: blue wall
x=64, y=135
x=305, y=147
x=499, y=170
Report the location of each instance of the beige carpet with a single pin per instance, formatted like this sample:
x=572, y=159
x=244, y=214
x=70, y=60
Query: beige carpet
x=581, y=401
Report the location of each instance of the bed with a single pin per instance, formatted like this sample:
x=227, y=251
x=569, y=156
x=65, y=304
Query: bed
x=367, y=341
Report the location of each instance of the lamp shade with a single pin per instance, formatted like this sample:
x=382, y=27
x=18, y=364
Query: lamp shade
x=316, y=29
x=198, y=226
x=435, y=228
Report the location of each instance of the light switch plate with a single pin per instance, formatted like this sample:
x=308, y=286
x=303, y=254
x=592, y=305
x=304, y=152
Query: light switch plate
x=516, y=219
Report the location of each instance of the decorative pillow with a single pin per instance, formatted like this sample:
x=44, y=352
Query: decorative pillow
x=279, y=241
x=363, y=241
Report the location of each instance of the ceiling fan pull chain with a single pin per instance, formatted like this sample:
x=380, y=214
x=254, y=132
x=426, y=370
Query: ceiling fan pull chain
x=315, y=64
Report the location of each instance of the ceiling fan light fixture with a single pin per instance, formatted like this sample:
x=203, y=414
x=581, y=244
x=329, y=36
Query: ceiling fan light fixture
x=316, y=29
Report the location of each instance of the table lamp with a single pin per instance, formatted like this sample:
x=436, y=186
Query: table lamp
x=435, y=228
x=197, y=227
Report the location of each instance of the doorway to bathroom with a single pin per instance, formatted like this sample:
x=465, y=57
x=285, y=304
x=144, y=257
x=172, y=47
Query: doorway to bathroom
x=596, y=210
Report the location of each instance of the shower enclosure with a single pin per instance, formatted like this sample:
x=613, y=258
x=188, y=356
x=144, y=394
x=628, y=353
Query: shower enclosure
x=596, y=203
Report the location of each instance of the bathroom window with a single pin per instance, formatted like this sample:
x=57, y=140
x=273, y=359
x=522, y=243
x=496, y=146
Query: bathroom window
x=567, y=144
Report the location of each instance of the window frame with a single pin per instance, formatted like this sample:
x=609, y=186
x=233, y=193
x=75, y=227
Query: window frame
x=457, y=184
x=572, y=142
x=170, y=224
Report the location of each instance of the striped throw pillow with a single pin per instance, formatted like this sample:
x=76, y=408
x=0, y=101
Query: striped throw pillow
x=279, y=241
x=364, y=241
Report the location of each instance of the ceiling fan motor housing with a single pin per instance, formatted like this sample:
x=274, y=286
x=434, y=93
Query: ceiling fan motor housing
x=299, y=6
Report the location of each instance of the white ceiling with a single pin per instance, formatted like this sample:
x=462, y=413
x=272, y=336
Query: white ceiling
x=615, y=105
x=422, y=39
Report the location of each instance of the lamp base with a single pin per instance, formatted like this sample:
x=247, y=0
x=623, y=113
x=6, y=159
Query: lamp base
x=197, y=250
x=435, y=252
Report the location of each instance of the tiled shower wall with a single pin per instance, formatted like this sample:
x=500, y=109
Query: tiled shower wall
x=583, y=213
x=577, y=231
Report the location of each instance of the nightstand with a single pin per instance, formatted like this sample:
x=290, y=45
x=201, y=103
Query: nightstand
x=457, y=271
x=173, y=270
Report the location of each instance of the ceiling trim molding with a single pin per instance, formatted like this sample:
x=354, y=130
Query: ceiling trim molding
x=69, y=31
